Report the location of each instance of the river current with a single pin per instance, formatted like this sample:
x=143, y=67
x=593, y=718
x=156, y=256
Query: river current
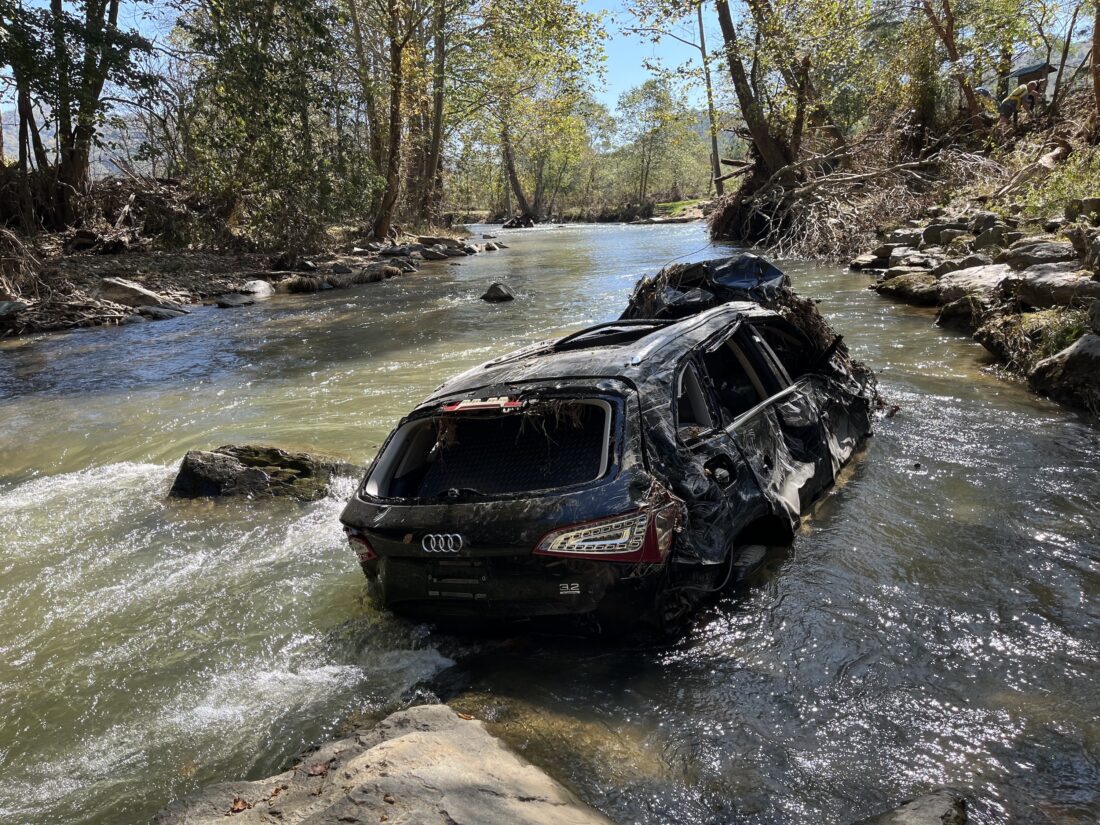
x=937, y=620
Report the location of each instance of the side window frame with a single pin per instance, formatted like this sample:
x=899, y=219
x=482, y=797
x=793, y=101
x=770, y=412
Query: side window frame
x=703, y=396
x=771, y=372
x=729, y=340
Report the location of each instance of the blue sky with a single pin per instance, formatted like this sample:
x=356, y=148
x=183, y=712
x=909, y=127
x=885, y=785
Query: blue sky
x=627, y=53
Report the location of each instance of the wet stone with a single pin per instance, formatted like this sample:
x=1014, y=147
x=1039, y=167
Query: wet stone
x=254, y=471
x=498, y=292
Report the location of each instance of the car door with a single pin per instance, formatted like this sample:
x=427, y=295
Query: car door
x=810, y=466
x=742, y=390
x=717, y=485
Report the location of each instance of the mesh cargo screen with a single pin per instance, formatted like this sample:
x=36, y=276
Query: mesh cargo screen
x=519, y=452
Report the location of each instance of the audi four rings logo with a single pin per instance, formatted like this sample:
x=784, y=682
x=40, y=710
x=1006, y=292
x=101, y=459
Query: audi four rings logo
x=442, y=543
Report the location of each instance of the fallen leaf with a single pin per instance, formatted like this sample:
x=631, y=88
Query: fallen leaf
x=239, y=805
x=465, y=716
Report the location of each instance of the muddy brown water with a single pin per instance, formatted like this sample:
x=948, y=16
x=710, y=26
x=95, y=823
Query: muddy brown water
x=936, y=622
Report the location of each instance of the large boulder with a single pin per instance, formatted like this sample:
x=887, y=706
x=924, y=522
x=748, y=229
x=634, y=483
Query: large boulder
x=940, y=807
x=983, y=281
x=498, y=292
x=915, y=287
x=1072, y=375
x=905, y=237
x=981, y=221
x=424, y=765
x=259, y=289
x=1049, y=285
x=128, y=293
x=10, y=309
x=433, y=240
x=991, y=237
x=1024, y=255
x=255, y=471
x=434, y=253
x=904, y=256
x=966, y=313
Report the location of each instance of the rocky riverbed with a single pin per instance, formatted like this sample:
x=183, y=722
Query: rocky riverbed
x=94, y=289
x=1028, y=293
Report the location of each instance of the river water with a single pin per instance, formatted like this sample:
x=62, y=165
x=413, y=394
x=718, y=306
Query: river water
x=935, y=622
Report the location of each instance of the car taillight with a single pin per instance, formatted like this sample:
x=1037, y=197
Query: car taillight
x=641, y=536
x=360, y=544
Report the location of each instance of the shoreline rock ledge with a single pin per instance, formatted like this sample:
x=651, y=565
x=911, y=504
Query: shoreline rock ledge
x=426, y=765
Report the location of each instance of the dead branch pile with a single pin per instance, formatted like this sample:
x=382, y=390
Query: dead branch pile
x=830, y=204
x=19, y=264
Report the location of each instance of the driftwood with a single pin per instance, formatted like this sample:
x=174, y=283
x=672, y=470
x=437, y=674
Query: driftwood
x=1040, y=169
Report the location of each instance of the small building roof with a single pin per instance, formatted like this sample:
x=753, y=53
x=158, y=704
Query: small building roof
x=1037, y=69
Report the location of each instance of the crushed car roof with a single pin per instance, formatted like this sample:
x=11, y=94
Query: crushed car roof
x=616, y=349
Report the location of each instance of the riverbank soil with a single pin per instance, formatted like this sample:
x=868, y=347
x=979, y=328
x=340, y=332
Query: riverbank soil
x=82, y=279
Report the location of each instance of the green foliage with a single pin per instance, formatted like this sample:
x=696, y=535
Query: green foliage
x=1078, y=177
x=263, y=140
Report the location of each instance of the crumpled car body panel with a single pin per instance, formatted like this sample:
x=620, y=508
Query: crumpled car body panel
x=730, y=406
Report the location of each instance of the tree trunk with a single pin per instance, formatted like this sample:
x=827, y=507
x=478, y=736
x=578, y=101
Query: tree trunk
x=1055, y=96
x=386, y=209
x=366, y=73
x=712, y=118
x=432, y=183
x=510, y=170
x=540, y=186
x=1096, y=55
x=26, y=118
x=945, y=30
x=773, y=154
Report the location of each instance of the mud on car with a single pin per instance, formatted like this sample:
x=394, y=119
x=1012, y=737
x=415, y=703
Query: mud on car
x=623, y=471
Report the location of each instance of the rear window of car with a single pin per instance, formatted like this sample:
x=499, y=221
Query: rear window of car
x=496, y=451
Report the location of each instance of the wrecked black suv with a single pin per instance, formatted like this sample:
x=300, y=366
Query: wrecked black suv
x=622, y=471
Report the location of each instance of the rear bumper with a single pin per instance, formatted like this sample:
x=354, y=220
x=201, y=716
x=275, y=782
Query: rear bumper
x=516, y=587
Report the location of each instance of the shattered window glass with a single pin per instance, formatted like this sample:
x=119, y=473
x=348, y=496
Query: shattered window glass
x=493, y=452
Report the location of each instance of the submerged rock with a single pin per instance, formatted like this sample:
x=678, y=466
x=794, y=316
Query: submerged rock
x=916, y=287
x=498, y=292
x=426, y=764
x=235, y=300
x=255, y=471
x=160, y=313
x=940, y=807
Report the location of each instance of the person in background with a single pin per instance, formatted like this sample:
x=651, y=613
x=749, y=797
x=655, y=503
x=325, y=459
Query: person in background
x=1010, y=106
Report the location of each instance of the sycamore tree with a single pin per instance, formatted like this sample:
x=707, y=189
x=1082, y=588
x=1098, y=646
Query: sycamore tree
x=60, y=59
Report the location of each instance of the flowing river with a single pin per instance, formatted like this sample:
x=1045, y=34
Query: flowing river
x=937, y=621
